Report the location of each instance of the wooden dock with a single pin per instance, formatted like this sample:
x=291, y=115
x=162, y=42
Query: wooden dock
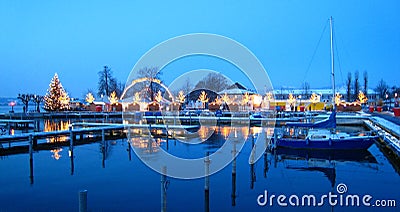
x=83, y=128
x=62, y=115
x=8, y=124
x=389, y=136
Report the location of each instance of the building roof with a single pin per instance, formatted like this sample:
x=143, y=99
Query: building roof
x=236, y=89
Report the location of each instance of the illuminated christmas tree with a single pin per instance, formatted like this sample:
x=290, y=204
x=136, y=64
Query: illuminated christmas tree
x=56, y=97
x=89, y=98
x=113, y=98
x=181, y=97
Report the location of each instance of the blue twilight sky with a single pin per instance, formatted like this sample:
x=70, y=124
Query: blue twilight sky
x=77, y=38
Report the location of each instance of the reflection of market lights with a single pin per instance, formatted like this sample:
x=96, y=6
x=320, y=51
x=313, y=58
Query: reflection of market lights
x=256, y=130
x=146, y=144
x=204, y=132
x=225, y=131
x=50, y=126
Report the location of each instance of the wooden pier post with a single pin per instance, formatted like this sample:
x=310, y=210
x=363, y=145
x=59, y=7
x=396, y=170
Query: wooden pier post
x=71, y=149
x=129, y=151
x=31, y=158
x=166, y=127
x=71, y=156
x=207, y=183
x=252, y=173
x=83, y=201
x=266, y=165
x=9, y=128
x=103, y=144
x=233, y=194
x=164, y=185
x=71, y=135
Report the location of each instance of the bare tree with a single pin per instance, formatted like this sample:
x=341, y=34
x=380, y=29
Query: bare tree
x=107, y=83
x=356, y=85
x=382, y=88
x=151, y=73
x=365, y=83
x=213, y=81
x=37, y=99
x=119, y=89
x=348, y=87
x=25, y=98
x=187, y=87
x=306, y=89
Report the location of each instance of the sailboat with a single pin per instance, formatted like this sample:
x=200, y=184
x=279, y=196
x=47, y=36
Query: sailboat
x=322, y=134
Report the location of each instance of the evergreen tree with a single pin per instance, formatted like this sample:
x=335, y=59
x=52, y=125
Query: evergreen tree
x=56, y=97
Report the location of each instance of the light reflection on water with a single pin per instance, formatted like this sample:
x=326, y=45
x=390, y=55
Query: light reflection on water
x=126, y=184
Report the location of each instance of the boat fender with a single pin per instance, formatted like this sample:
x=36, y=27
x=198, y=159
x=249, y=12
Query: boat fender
x=307, y=141
x=330, y=141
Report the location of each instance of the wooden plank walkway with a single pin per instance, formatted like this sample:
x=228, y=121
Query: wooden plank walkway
x=388, y=135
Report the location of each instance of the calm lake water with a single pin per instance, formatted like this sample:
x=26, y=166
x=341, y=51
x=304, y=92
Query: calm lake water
x=124, y=183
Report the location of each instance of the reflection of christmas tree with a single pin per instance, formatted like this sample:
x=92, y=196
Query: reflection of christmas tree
x=56, y=97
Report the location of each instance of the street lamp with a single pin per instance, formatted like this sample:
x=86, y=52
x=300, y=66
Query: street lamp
x=387, y=96
x=12, y=104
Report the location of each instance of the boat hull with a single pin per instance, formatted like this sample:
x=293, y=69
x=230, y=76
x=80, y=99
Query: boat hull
x=358, y=143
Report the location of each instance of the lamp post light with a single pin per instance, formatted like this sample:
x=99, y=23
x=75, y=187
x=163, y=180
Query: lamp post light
x=387, y=96
x=12, y=104
x=299, y=100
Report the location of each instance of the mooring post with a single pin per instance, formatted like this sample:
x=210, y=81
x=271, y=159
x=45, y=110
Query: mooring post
x=31, y=158
x=166, y=127
x=252, y=160
x=129, y=151
x=233, y=195
x=265, y=164
x=103, y=136
x=103, y=140
x=164, y=185
x=9, y=128
x=207, y=183
x=71, y=136
x=83, y=200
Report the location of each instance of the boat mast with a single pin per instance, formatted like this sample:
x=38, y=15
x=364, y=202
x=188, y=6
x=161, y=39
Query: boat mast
x=332, y=64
